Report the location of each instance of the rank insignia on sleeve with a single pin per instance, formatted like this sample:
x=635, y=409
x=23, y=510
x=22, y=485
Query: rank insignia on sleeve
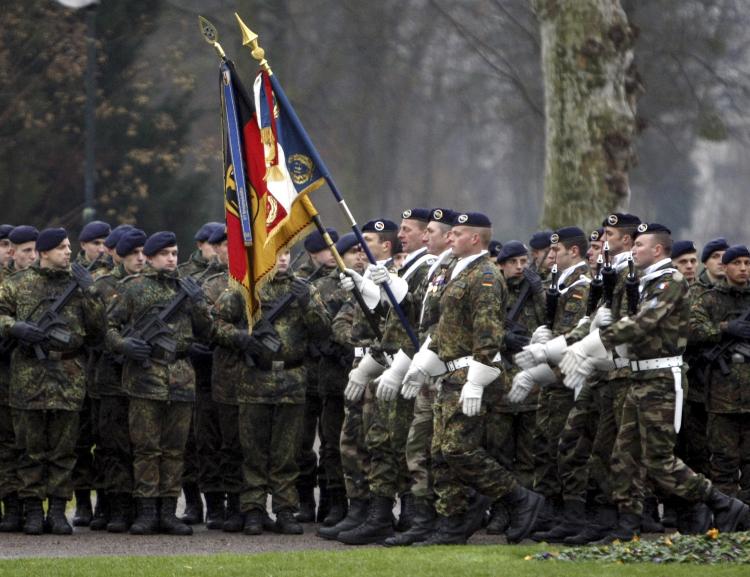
x=488, y=279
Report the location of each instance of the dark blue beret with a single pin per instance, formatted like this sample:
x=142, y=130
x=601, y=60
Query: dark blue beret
x=346, y=242
x=734, y=252
x=596, y=235
x=712, y=246
x=50, y=238
x=205, y=231
x=111, y=241
x=621, y=220
x=442, y=215
x=93, y=230
x=681, y=247
x=129, y=241
x=511, y=249
x=421, y=214
x=380, y=225
x=22, y=234
x=567, y=233
x=540, y=239
x=476, y=219
x=5, y=230
x=494, y=248
x=218, y=235
x=159, y=241
x=651, y=228
x=314, y=241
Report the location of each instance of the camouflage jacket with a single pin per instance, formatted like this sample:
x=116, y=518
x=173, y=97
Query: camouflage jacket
x=285, y=381
x=704, y=281
x=726, y=393
x=214, y=280
x=144, y=294
x=107, y=371
x=58, y=382
x=195, y=265
x=433, y=286
x=660, y=328
x=101, y=267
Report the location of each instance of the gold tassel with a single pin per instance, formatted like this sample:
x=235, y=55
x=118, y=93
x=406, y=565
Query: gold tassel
x=269, y=143
x=274, y=174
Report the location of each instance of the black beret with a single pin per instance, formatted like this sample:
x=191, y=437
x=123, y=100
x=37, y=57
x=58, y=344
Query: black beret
x=159, y=241
x=511, y=249
x=5, y=230
x=93, y=230
x=734, y=252
x=218, y=235
x=712, y=246
x=442, y=215
x=421, y=214
x=540, y=239
x=205, y=231
x=380, y=225
x=111, y=241
x=314, y=241
x=476, y=219
x=494, y=248
x=651, y=228
x=346, y=242
x=22, y=234
x=681, y=247
x=567, y=233
x=596, y=235
x=129, y=241
x=50, y=238
x=621, y=220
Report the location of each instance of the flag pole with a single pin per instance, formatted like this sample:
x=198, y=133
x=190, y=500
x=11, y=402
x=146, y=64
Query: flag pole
x=250, y=39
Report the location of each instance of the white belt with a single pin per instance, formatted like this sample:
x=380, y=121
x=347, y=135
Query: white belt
x=360, y=352
x=653, y=364
x=621, y=363
x=460, y=363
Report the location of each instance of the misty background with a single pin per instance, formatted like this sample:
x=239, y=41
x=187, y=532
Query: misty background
x=410, y=103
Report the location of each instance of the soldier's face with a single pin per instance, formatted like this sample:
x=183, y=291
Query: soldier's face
x=222, y=252
x=379, y=249
x=465, y=241
x=58, y=257
x=513, y=267
x=738, y=271
x=4, y=252
x=436, y=238
x=94, y=249
x=564, y=257
x=165, y=259
x=354, y=258
x=687, y=264
x=207, y=250
x=24, y=255
x=323, y=258
x=714, y=265
x=618, y=242
x=411, y=235
x=595, y=249
x=282, y=261
x=646, y=251
x=133, y=263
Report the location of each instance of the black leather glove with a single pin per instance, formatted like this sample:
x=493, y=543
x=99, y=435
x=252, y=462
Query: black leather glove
x=27, y=332
x=136, y=349
x=248, y=343
x=301, y=290
x=535, y=281
x=514, y=341
x=192, y=289
x=199, y=351
x=738, y=328
x=81, y=275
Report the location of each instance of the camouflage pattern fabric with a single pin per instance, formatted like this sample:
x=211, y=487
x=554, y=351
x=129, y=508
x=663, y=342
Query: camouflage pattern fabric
x=331, y=425
x=195, y=265
x=729, y=443
x=9, y=453
x=510, y=440
x=418, y=445
x=230, y=463
x=114, y=451
x=307, y=458
x=208, y=441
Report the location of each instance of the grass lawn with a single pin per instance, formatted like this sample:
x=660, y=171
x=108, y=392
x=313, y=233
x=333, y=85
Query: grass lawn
x=406, y=562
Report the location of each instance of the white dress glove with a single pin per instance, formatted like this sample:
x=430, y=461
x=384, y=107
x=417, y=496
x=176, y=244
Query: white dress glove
x=379, y=274
x=524, y=381
x=541, y=335
x=587, y=349
x=602, y=318
x=477, y=377
x=370, y=291
x=366, y=370
x=389, y=382
x=413, y=382
x=550, y=352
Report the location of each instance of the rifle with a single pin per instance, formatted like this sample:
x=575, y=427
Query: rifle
x=553, y=295
x=596, y=288
x=632, y=291
x=609, y=277
x=728, y=347
x=50, y=323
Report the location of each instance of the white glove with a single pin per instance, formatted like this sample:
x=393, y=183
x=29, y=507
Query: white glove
x=576, y=379
x=428, y=362
x=541, y=335
x=524, y=381
x=477, y=377
x=591, y=347
x=366, y=370
x=413, y=381
x=602, y=318
x=350, y=279
x=370, y=291
x=583, y=321
x=389, y=382
x=550, y=352
x=379, y=274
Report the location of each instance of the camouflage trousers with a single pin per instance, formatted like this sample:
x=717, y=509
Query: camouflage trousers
x=9, y=453
x=729, y=441
x=355, y=460
x=555, y=403
x=230, y=461
x=84, y=472
x=269, y=435
x=114, y=453
x=207, y=426
x=46, y=441
x=385, y=440
x=331, y=423
x=307, y=458
x=510, y=440
x=158, y=433
x=459, y=458
x=419, y=445
x=191, y=460
x=645, y=447
x=692, y=440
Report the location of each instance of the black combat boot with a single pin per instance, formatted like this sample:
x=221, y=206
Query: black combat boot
x=378, y=525
x=82, y=516
x=728, y=511
x=56, y=519
x=448, y=531
x=287, y=524
x=337, y=510
x=168, y=521
x=34, y=516
x=650, y=522
x=547, y=517
x=193, y=513
x=574, y=519
x=119, y=513
x=216, y=511
x=147, y=519
x=253, y=522
x=102, y=511
x=628, y=527
x=476, y=513
x=233, y=520
x=524, y=507
x=12, y=518
x=355, y=516
x=423, y=525
x=694, y=519
x=306, y=512
x=603, y=525
x=324, y=501
x=406, y=515
x=671, y=508
x=499, y=519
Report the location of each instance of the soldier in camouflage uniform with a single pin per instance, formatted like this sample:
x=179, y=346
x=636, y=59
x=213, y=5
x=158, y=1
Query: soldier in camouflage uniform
x=685, y=259
x=23, y=251
x=656, y=337
x=163, y=391
x=114, y=455
x=539, y=246
x=46, y=396
x=713, y=268
x=720, y=314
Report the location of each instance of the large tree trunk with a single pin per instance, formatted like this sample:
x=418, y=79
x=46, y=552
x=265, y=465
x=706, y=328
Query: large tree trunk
x=591, y=86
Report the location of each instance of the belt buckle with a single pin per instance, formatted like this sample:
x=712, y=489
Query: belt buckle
x=634, y=366
x=277, y=365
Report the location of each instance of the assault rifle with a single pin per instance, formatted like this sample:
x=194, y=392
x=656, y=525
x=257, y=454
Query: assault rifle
x=632, y=291
x=721, y=354
x=553, y=295
x=609, y=277
x=596, y=288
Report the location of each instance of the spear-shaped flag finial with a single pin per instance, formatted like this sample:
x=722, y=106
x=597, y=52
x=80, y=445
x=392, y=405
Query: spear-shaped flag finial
x=250, y=39
x=211, y=35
